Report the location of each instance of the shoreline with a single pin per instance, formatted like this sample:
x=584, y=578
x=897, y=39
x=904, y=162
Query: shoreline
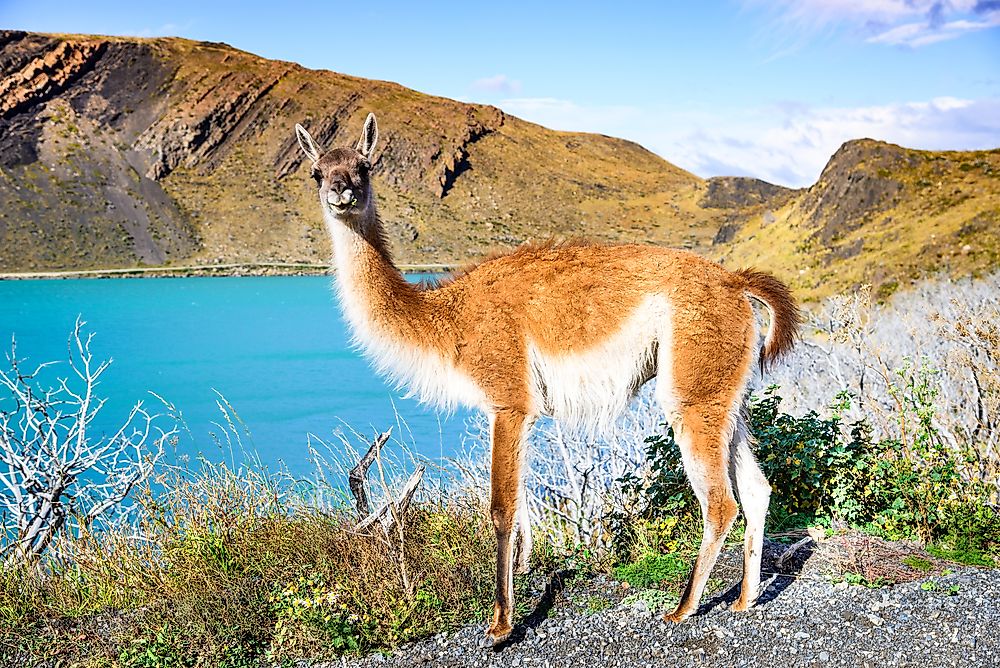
x=230, y=270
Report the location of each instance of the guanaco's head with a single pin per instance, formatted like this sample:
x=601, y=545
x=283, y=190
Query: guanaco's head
x=343, y=174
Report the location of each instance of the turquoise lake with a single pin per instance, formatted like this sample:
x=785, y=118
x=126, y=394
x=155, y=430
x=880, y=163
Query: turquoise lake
x=276, y=348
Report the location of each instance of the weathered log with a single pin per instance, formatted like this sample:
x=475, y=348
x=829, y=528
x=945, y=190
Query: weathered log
x=394, y=510
x=357, y=477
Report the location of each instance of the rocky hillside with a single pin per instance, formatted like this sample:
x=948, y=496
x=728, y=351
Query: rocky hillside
x=118, y=152
x=123, y=152
x=879, y=214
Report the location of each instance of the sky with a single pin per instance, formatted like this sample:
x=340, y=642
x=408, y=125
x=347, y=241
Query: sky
x=729, y=87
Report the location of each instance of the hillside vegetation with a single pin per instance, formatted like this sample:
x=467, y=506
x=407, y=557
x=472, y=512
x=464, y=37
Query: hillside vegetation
x=126, y=152
x=879, y=214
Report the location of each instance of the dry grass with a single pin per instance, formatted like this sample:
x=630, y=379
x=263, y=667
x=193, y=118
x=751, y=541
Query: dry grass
x=875, y=560
x=222, y=564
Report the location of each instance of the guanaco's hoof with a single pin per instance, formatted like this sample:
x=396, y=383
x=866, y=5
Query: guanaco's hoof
x=676, y=617
x=496, y=635
x=741, y=605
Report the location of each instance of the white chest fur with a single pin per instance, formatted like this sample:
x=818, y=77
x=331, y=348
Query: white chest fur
x=589, y=389
x=423, y=373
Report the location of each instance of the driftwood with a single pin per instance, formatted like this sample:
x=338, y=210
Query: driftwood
x=357, y=477
x=390, y=512
x=787, y=555
x=389, y=515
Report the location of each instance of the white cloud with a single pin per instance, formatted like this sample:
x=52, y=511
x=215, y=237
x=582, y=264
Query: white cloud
x=566, y=115
x=792, y=147
x=912, y=23
x=787, y=144
x=922, y=34
x=499, y=83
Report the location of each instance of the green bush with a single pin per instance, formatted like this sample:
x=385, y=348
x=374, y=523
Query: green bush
x=805, y=459
x=823, y=470
x=162, y=648
x=661, y=512
x=310, y=604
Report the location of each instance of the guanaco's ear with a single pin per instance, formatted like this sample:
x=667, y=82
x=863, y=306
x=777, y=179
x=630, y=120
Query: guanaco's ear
x=366, y=145
x=307, y=144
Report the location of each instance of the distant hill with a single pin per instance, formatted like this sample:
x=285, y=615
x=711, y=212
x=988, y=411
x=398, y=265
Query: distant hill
x=122, y=152
x=879, y=214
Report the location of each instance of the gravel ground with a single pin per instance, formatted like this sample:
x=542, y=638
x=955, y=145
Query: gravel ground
x=806, y=620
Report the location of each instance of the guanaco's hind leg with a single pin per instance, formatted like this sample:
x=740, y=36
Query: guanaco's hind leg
x=522, y=540
x=703, y=437
x=509, y=428
x=754, y=494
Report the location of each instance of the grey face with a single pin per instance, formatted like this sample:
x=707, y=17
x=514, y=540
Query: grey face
x=343, y=179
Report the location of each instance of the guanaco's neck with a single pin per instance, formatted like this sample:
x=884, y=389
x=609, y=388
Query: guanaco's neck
x=376, y=298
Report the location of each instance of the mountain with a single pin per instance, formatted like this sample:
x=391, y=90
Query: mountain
x=121, y=152
x=879, y=214
x=125, y=152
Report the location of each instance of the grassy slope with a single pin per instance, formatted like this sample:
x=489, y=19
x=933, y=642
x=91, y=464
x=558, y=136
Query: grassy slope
x=522, y=181
x=215, y=133
x=932, y=211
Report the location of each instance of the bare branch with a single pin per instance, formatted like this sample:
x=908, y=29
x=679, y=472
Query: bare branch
x=55, y=476
x=358, y=475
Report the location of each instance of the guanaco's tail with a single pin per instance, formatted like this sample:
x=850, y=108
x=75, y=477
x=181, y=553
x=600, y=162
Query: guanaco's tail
x=785, y=315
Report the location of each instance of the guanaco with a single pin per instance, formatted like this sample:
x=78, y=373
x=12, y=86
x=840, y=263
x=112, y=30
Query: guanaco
x=569, y=331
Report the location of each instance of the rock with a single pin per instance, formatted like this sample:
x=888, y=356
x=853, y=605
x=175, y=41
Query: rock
x=735, y=192
x=46, y=75
x=856, y=184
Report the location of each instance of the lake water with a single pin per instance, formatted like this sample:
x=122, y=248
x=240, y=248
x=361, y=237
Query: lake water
x=275, y=347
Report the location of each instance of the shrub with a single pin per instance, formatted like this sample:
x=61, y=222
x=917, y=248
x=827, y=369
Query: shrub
x=309, y=602
x=60, y=476
x=805, y=459
x=660, y=512
x=822, y=470
x=946, y=331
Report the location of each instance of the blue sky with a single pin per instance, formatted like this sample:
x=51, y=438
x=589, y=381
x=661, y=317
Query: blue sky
x=748, y=87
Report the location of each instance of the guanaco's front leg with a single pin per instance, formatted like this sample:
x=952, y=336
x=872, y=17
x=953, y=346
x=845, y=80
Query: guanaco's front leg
x=509, y=428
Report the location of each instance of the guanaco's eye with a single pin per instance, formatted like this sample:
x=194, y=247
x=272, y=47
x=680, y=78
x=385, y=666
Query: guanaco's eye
x=317, y=176
x=364, y=166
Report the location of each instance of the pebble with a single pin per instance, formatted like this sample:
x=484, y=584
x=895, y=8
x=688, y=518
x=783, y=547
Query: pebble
x=809, y=622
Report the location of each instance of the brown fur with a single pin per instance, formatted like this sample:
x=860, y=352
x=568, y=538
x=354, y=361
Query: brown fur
x=566, y=299
x=528, y=246
x=784, y=310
